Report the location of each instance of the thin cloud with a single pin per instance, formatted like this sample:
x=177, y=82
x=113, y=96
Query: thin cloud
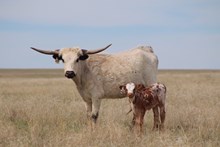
x=111, y=12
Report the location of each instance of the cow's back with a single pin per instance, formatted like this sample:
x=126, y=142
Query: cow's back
x=138, y=65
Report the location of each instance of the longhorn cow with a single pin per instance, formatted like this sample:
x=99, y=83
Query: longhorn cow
x=98, y=76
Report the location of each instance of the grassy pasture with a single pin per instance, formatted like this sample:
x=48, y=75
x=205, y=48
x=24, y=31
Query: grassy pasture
x=42, y=108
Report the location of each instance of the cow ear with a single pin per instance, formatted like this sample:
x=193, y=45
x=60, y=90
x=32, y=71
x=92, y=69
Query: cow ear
x=84, y=57
x=57, y=58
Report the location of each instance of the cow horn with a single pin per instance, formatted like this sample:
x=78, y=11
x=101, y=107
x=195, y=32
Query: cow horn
x=96, y=50
x=56, y=52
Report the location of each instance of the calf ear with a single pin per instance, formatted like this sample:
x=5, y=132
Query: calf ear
x=120, y=87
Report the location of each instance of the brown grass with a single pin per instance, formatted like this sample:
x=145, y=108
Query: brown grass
x=42, y=108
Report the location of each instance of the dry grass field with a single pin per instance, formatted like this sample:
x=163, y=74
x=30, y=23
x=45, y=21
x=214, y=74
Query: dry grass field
x=42, y=108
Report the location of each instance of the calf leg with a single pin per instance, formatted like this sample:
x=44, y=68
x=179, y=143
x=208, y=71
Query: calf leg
x=162, y=116
x=156, y=118
x=133, y=121
x=139, y=120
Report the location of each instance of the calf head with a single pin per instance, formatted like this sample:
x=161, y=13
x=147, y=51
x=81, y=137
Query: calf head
x=127, y=89
x=72, y=58
x=130, y=89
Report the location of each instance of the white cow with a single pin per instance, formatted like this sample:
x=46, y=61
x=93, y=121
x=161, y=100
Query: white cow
x=98, y=76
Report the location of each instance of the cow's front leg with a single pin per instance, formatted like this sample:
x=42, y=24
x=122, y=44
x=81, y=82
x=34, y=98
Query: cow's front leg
x=89, y=111
x=96, y=102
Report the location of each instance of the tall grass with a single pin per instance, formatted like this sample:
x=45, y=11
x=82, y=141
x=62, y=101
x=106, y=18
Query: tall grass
x=42, y=108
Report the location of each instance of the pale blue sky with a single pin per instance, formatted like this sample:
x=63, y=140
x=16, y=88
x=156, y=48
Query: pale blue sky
x=185, y=34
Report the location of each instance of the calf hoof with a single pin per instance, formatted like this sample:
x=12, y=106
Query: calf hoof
x=156, y=127
x=162, y=128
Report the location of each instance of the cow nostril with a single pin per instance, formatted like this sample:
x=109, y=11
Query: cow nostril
x=70, y=74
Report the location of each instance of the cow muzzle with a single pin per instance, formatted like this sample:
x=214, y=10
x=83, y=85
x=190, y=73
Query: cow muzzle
x=70, y=74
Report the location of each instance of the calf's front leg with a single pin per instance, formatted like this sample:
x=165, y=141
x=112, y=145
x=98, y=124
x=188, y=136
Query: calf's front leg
x=139, y=120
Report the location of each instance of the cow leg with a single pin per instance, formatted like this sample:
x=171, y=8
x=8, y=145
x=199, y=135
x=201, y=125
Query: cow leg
x=88, y=109
x=95, y=109
x=162, y=116
x=156, y=118
x=89, y=112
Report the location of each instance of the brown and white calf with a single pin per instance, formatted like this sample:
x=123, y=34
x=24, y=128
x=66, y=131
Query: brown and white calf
x=146, y=98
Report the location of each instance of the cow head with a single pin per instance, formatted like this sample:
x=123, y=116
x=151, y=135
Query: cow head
x=71, y=57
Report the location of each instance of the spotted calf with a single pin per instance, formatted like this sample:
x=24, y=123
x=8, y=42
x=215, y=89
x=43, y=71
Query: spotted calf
x=146, y=98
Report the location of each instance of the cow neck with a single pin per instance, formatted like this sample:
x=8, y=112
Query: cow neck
x=81, y=77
